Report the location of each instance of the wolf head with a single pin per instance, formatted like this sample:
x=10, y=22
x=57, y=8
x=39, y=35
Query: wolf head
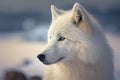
x=68, y=36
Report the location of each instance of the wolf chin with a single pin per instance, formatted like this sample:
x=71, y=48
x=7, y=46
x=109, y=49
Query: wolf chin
x=77, y=48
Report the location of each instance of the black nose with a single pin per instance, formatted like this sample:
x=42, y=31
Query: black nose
x=41, y=57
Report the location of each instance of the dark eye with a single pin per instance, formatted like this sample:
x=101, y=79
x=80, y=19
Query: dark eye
x=61, y=39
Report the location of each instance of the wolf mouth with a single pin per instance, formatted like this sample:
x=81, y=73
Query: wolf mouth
x=60, y=59
x=47, y=63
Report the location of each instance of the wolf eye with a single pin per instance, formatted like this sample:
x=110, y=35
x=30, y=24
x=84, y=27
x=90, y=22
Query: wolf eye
x=61, y=39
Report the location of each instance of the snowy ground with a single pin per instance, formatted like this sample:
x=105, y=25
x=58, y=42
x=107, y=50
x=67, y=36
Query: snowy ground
x=14, y=51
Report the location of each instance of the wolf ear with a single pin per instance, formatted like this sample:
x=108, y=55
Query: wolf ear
x=55, y=12
x=77, y=13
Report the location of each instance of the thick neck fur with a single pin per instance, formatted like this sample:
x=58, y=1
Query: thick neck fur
x=78, y=70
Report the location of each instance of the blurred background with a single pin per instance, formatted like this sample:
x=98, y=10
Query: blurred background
x=23, y=33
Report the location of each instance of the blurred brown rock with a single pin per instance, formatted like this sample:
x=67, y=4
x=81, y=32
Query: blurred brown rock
x=36, y=78
x=14, y=75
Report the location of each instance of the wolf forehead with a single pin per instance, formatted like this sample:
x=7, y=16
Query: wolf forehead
x=64, y=27
x=61, y=24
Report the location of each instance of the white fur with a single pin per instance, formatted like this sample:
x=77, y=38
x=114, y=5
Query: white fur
x=87, y=56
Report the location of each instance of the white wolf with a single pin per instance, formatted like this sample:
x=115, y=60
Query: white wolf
x=76, y=49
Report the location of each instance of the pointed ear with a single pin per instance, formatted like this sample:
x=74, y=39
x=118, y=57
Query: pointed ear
x=77, y=16
x=55, y=12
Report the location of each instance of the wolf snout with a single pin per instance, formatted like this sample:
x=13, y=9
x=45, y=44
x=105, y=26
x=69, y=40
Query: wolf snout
x=41, y=57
